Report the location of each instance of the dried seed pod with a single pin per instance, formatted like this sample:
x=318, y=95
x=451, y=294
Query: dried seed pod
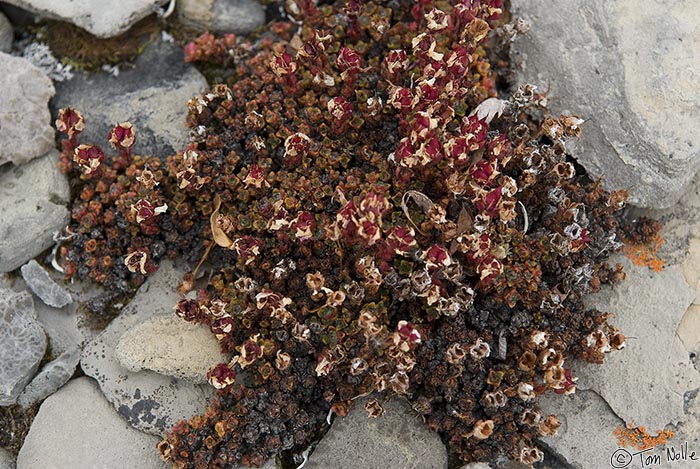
x=480, y=350
x=530, y=455
x=374, y=408
x=483, y=429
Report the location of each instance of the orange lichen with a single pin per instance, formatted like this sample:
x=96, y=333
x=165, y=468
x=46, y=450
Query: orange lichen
x=637, y=437
x=646, y=254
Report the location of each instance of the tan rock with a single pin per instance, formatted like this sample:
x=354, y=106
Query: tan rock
x=170, y=346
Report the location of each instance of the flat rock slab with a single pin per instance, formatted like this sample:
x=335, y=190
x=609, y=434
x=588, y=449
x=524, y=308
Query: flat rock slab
x=22, y=344
x=222, y=16
x=43, y=285
x=644, y=383
x=77, y=428
x=586, y=437
x=50, y=379
x=103, y=19
x=152, y=96
x=594, y=58
x=396, y=439
x=150, y=402
x=25, y=121
x=167, y=344
x=33, y=207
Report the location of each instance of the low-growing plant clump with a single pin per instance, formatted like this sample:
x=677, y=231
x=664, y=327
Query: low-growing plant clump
x=375, y=221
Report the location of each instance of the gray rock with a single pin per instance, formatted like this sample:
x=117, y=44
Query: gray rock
x=149, y=401
x=33, y=196
x=627, y=68
x=167, y=344
x=103, y=19
x=77, y=428
x=50, y=379
x=222, y=16
x=396, y=439
x=586, y=436
x=68, y=328
x=152, y=96
x=43, y=286
x=644, y=383
x=22, y=344
x=25, y=121
x=7, y=461
x=7, y=35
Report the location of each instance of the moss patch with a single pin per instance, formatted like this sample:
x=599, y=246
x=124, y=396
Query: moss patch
x=14, y=426
x=75, y=46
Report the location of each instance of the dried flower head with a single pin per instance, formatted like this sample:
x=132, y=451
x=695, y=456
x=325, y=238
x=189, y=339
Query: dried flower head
x=221, y=376
x=530, y=455
x=123, y=136
x=70, y=121
x=374, y=408
x=137, y=261
x=88, y=157
x=483, y=429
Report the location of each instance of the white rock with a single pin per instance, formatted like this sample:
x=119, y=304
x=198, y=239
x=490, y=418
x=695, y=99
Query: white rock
x=149, y=401
x=22, y=344
x=25, y=121
x=33, y=197
x=167, y=344
x=630, y=68
x=644, y=383
x=77, y=428
x=103, y=19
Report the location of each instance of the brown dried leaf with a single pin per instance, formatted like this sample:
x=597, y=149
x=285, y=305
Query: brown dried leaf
x=464, y=222
x=420, y=199
x=217, y=232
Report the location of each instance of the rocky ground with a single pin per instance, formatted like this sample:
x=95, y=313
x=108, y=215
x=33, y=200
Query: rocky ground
x=103, y=393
